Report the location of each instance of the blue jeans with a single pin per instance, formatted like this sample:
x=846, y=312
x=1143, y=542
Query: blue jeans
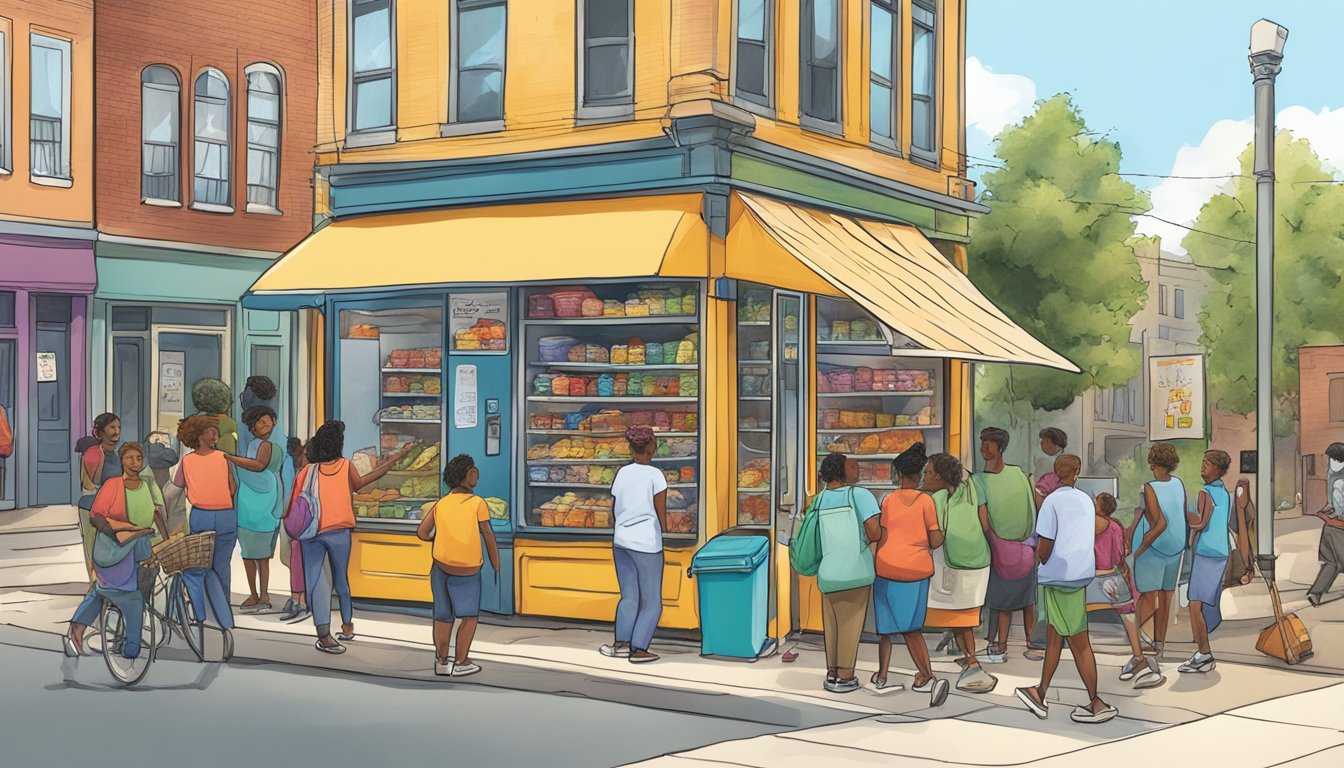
x=132, y=606
x=213, y=584
x=640, y=576
x=334, y=545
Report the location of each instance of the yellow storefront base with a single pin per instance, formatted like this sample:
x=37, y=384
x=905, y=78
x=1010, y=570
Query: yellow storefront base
x=577, y=580
x=390, y=566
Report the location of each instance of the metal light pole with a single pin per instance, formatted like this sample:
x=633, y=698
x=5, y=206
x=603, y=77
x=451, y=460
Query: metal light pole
x=1266, y=56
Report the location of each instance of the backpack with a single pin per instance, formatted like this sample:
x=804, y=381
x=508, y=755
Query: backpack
x=965, y=546
x=6, y=436
x=805, y=546
x=301, y=520
x=847, y=557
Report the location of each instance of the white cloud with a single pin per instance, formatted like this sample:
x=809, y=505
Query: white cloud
x=995, y=101
x=1180, y=199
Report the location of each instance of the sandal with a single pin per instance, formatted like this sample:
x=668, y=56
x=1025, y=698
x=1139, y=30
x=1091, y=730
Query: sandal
x=335, y=649
x=344, y=636
x=885, y=686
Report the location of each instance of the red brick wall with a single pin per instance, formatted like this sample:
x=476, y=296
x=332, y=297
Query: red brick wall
x=190, y=35
x=1315, y=366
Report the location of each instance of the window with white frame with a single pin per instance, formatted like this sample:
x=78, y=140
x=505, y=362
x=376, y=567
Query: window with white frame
x=212, y=153
x=820, y=58
x=160, y=114
x=49, y=120
x=606, y=58
x=373, y=71
x=754, y=68
x=479, y=50
x=4, y=103
x=264, y=98
x=1162, y=300
x=883, y=97
x=1179, y=303
x=924, y=78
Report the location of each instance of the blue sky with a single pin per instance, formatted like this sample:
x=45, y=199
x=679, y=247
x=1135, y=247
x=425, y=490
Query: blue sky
x=1168, y=80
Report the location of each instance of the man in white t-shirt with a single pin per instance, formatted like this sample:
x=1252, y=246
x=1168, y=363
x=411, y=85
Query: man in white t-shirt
x=1066, y=532
x=640, y=514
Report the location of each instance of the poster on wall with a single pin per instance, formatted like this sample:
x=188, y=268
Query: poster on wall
x=478, y=322
x=46, y=366
x=464, y=397
x=172, y=399
x=1176, y=397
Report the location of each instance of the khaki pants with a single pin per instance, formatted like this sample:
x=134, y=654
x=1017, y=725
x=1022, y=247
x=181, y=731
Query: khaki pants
x=842, y=617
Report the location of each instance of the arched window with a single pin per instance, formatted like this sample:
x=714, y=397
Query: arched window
x=211, y=186
x=264, y=99
x=160, y=116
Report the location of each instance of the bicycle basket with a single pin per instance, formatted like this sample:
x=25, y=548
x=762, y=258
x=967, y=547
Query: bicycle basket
x=184, y=552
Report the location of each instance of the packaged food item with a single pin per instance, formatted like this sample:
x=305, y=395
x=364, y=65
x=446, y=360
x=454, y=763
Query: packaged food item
x=620, y=355
x=635, y=351
x=543, y=384
x=839, y=330
x=653, y=353
x=620, y=388
x=555, y=349
x=689, y=385
x=613, y=308
x=362, y=331
x=884, y=420
x=688, y=304
x=841, y=379
x=759, y=350
x=596, y=353
x=686, y=474
x=686, y=353
x=591, y=307
x=606, y=385
x=560, y=386
x=636, y=308
x=863, y=379
x=540, y=306
x=569, y=301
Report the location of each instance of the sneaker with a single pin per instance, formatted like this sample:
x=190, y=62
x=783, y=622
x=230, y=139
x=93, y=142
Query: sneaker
x=991, y=655
x=937, y=689
x=443, y=668
x=642, y=657
x=843, y=686
x=1034, y=654
x=1315, y=600
x=1038, y=708
x=884, y=685
x=335, y=649
x=462, y=670
x=1200, y=662
x=1131, y=668
x=976, y=680
x=1086, y=715
x=615, y=650
x=1151, y=678
x=290, y=610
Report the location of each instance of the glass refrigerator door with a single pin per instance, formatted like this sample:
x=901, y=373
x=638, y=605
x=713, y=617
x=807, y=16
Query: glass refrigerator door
x=391, y=399
x=756, y=382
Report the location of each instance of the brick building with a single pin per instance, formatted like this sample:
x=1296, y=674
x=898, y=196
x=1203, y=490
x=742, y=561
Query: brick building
x=1321, y=382
x=205, y=130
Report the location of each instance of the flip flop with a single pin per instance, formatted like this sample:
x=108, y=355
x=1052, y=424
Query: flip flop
x=886, y=686
x=1040, y=710
x=1085, y=715
x=334, y=650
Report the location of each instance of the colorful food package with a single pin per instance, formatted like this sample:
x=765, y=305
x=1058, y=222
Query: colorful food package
x=884, y=420
x=362, y=331
x=560, y=385
x=636, y=353
x=540, y=306
x=840, y=330
x=636, y=308
x=689, y=385
x=613, y=308
x=620, y=355
x=863, y=379
x=592, y=307
x=595, y=353
x=686, y=474
x=653, y=353
x=830, y=419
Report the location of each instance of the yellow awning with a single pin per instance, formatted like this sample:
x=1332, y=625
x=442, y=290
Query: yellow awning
x=588, y=239
x=893, y=271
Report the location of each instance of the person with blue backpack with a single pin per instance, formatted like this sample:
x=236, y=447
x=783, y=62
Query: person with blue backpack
x=845, y=524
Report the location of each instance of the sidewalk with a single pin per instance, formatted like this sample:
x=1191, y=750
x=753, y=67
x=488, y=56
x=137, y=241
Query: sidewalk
x=969, y=729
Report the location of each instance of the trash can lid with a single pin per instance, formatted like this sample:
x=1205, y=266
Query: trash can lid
x=730, y=554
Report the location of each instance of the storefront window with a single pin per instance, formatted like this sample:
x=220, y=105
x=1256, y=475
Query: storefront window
x=871, y=404
x=755, y=412
x=391, y=398
x=595, y=361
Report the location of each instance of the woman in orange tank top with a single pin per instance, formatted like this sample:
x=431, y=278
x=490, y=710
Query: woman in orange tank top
x=337, y=483
x=207, y=479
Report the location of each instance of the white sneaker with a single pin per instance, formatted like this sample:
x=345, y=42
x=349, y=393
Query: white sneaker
x=1200, y=662
x=992, y=656
x=441, y=669
x=462, y=670
x=615, y=650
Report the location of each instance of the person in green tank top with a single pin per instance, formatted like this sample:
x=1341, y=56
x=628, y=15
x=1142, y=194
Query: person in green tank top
x=1009, y=499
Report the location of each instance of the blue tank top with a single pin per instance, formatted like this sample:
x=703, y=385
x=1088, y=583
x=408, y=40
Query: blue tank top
x=1212, y=541
x=1171, y=503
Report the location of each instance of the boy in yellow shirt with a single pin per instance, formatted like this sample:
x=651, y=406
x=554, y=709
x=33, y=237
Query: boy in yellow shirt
x=457, y=525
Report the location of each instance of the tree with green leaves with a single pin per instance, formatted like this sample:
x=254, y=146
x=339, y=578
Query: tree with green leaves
x=1308, y=277
x=1054, y=254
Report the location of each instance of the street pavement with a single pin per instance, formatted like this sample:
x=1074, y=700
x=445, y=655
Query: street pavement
x=1251, y=710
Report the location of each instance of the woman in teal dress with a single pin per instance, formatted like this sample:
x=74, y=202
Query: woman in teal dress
x=262, y=489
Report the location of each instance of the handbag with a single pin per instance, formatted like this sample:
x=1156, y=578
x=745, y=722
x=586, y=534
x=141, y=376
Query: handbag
x=301, y=520
x=846, y=554
x=1010, y=559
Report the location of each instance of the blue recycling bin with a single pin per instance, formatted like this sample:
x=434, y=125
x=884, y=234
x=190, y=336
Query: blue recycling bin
x=734, y=583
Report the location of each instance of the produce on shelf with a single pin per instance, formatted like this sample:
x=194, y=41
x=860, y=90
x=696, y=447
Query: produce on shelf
x=425, y=457
x=616, y=385
x=850, y=330
x=421, y=488
x=426, y=383
x=362, y=331
x=754, y=381
x=379, y=495
x=607, y=448
x=608, y=420
x=753, y=509
x=647, y=300
x=570, y=510
x=413, y=458
x=840, y=418
x=427, y=357
x=864, y=379
x=486, y=334
x=417, y=412
x=879, y=442
x=755, y=308
x=754, y=474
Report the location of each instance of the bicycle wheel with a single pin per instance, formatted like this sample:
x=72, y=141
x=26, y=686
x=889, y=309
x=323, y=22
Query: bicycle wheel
x=112, y=625
x=158, y=612
x=183, y=620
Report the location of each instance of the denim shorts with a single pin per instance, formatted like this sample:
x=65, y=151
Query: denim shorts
x=455, y=597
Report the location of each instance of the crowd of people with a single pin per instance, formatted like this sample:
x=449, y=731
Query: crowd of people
x=947, y=550
x=951, y=550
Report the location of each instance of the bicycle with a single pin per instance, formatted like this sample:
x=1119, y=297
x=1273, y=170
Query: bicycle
x=176, y=556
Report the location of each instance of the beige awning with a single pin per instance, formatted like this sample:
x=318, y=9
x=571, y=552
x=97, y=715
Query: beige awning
x=893, y=271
